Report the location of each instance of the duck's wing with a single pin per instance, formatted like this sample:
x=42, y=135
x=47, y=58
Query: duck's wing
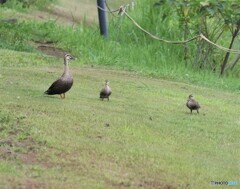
x=58, y=87
x=194, y=104
x=54, y=88
x=103, y=93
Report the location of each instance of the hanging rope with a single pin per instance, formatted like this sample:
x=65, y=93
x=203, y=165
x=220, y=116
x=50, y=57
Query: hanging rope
x=154, y=37
x=218, y=46
x=109, y=11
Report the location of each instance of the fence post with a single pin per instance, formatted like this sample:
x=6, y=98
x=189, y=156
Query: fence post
x=102, y=18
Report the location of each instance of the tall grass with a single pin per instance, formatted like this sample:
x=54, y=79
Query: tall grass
x=126, y=47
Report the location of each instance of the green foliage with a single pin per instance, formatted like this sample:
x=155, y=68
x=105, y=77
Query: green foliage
x=13, y=37
x=210, y=18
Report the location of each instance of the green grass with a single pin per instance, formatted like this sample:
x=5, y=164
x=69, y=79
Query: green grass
x=144, y=137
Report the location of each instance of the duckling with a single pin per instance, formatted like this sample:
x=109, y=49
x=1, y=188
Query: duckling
x=192, y=104
x=64, y=83
x=106, y=91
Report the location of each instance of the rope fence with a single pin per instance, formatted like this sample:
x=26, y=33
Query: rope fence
x=122, y=11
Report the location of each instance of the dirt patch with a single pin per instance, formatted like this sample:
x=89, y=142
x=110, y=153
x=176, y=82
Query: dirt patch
x=49, y=49
x=74, y=12
x=153, y=183
x=69, y=13
x=28, y=183
x=25, y=150
x=32, y=184
x=29, y=158
x=146, y=184
x=17, y=142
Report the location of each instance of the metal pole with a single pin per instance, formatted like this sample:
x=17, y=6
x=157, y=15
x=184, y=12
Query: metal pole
x=102, y=18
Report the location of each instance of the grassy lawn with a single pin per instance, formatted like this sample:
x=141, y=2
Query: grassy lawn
x=144, y=137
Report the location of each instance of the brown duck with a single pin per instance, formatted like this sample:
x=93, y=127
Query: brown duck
x=106, y=91
x=64, y=83
x=192, y=104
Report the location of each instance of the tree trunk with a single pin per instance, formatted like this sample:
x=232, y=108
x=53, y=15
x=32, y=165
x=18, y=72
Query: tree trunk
x=235, y=62
x=226, y=57
x=185, y=44
x=230, y=47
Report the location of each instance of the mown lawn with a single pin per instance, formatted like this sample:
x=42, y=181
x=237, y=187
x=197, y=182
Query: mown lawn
x=144, y=137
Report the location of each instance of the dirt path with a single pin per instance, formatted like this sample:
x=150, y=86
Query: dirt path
x=69, y=12
x=75, y=11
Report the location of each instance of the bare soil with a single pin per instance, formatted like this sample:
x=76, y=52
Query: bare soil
x=69, y=13
x=49, y=49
